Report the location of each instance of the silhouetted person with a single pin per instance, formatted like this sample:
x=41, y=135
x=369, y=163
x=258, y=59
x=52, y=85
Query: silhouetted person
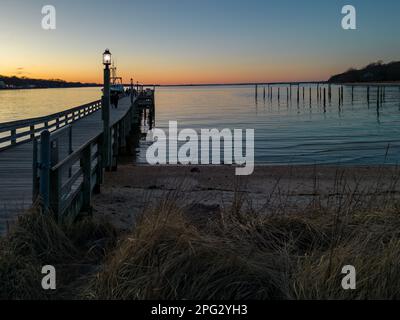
x=115, y=99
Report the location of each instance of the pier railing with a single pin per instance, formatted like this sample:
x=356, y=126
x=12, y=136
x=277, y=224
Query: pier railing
x=64, y=179
x=17, y=132
x=66, y=185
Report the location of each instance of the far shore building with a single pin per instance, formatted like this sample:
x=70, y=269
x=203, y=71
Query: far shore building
x=2, y=84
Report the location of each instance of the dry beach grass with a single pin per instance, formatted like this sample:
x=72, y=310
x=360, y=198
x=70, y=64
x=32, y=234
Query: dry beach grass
x=247, y=255
x=176, y=250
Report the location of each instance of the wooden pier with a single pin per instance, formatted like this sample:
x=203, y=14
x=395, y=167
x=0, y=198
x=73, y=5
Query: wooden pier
x=60, y=158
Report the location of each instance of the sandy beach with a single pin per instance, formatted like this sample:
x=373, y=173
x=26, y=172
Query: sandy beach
x=208, y=189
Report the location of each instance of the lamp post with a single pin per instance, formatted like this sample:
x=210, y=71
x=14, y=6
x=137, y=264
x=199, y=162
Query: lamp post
x=131, y=91
x=106, y=110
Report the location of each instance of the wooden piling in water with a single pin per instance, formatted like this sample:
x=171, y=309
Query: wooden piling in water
x=324, y=97
x=342, y=97
x=384, y=94
x=330, y=93
x=368, y=94
x=377, y=97
x=287, y=95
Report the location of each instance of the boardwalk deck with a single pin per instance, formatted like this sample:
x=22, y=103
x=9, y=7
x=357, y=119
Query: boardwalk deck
x=16, y=163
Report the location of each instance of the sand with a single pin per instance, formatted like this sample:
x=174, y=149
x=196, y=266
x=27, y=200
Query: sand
x=204, y=189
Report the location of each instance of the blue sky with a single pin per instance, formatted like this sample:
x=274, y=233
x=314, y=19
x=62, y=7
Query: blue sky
x=177, y=41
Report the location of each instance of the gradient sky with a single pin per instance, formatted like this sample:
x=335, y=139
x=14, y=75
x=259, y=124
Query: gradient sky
x=188, y=41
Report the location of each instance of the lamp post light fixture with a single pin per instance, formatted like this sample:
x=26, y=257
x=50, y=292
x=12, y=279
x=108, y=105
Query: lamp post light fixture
x=107, y=58
x=106, y=111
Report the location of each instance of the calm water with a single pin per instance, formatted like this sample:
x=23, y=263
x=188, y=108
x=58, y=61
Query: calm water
x=285, y=132
x=22, y=104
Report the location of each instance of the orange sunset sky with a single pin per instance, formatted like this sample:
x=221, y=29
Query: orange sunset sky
x=177, y=42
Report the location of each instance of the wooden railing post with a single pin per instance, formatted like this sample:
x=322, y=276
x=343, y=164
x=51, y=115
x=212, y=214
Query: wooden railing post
x=99, y=170
x=32, y=131
x=55, y=179
x=13, y=136
x=45, y=169
x=70, y=149
x=35, y=177
x=86, y=164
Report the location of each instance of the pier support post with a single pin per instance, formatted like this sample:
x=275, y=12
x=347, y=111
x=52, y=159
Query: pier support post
x=330, y=93
x=342, y=95
x=377, y=96
x=287, y=95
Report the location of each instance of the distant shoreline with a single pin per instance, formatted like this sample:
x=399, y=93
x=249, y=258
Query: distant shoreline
x=37, y=88
x=386, y=83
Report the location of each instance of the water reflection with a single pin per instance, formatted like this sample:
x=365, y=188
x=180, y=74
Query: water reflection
x=339, y=128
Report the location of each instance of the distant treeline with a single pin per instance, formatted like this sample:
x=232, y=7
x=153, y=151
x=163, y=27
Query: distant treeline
x=27, y=83
x=374, y=72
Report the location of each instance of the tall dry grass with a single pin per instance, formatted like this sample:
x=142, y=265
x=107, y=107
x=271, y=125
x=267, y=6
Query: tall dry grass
x=276, y=252
x=244, y=255
x=37, y=240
